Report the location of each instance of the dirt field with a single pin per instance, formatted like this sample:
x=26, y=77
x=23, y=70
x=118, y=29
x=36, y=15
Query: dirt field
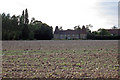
x=60, y=59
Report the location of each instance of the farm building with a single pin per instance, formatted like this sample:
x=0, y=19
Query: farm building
x=70, y=34
x=114, y=31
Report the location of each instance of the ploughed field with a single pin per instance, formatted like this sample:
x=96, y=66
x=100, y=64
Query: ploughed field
x=60, y=59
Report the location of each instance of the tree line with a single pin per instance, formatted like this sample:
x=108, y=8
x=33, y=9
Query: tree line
x=20, y=28
x=103, y=34
x=100, y=34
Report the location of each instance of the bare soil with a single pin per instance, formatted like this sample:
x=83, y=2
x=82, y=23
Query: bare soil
x=60, y=59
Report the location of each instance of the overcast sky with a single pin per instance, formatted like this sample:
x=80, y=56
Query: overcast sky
x=67, y=13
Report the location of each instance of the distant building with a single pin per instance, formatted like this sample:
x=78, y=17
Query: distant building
x=70, y=34
x=114, y=31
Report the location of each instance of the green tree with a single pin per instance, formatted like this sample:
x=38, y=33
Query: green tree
x=103, y=32
x=77, y=27
x=26, y=17
x=18, y=27
x=114, y=27
x=88, y=28
x=22, y=21
x=24, y=26
x=95, y=33
x=10, y=27
x=60, y=28
x=25, y=32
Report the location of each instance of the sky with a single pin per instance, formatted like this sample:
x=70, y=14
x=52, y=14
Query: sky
x=67, y=13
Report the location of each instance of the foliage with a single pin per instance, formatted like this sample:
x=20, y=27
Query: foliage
x=114, y=27
x=77, y=27
x=103, y=32
x=88, y=28
x=19, y=28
